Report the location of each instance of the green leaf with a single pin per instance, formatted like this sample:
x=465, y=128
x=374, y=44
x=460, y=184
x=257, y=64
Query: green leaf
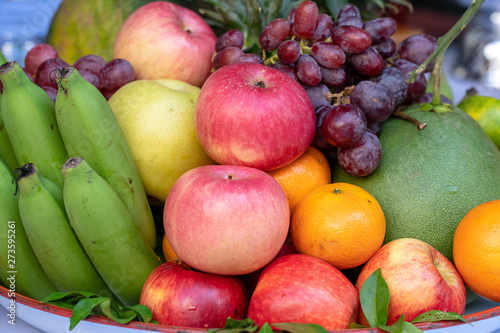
x=85, y=303
x=374, y=299
x=265, y=328
x=235, y=326
x=426, y=107
x=300, y=328
x=441, y=108
x=436, y=315
x=356, y=325
x=74, y=294
x=400, y=326
x=83, y=309
x=397, y=327
x=410, y=328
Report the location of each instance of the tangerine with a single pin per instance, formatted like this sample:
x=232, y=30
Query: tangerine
x=340, y=223
x=303, y=175
x=168, y=252
x=476, y=249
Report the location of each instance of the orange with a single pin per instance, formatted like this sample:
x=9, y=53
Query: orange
x=476, y=249
x=303, y=175
x=168, y=252
x=340, y=223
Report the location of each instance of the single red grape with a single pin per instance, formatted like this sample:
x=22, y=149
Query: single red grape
x=418, y=48
x=90, y=62
x=368, y=62
x=380, y=28
x=289, y=51
x=323, y=29
x=227, y=56
x=250, y=57
x=349, y=10
x=344, y=125
x=306, y=19
x=308, y=70
x=52, y=92
x=91, y=78
x=328, y=54
x=45, y=74
x=274, y=33
x=386, y=48
x=374, y=99
x=317, y=94
x=362, y=157
x=415, y=89
x=351, y=39
x=233, y=37
x=38, y=54
x=116, y=73
x=288, y=69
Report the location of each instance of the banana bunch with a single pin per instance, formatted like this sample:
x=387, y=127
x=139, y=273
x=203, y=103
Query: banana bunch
x=83, y=217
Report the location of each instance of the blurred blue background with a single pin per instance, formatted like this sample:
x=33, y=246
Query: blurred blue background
x=23, y=24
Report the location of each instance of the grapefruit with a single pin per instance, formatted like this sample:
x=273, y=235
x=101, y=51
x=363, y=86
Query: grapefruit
x=429, y=179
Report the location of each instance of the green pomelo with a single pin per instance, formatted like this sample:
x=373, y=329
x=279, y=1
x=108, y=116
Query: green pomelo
x=82, y=27
x=429, y=179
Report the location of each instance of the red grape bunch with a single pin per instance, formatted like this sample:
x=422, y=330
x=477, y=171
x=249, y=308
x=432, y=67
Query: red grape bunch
x=352, y=70
x=107, y=76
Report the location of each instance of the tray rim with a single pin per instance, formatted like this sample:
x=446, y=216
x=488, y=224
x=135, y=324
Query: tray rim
x=30, y=302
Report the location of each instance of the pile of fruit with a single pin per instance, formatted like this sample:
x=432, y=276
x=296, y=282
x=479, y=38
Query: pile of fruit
x=291, y=179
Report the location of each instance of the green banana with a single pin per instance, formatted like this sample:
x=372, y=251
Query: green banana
x=6, y=151
x=53, y=240
x=19, y=266
x=89, y=129
x=107, y=231
x=29, y=117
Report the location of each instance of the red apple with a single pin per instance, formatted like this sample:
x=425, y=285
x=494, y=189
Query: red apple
x=179, y=296
x=163, y=40
x=419, y=278
x=250, y=280
x=304, y=289
x=224, y=219
x=254, y=115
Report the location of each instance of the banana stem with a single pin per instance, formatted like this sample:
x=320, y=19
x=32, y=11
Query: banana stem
x=442, y=45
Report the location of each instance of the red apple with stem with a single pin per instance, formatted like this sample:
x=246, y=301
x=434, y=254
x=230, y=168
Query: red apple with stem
x=254, y=115
x=300, y=288
x=226, y=219
x=419, y=278
x=162, y=40
x=180, y=296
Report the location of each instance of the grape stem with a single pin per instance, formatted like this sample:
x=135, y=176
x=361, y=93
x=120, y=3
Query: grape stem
x=398, y=113
x=442, y=45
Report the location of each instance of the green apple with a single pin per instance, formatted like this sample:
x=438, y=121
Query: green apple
x=157, y=119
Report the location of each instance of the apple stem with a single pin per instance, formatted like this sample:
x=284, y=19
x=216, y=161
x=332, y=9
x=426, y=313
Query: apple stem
x=179, y=262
